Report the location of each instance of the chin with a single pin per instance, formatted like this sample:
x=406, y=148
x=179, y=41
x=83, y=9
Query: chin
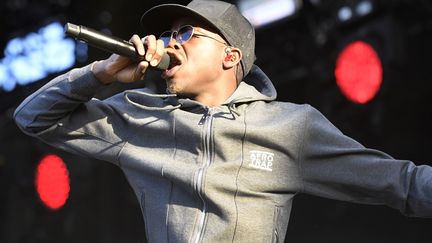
x=173, y=87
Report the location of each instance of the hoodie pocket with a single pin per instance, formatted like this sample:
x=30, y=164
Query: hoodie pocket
x=276, y=219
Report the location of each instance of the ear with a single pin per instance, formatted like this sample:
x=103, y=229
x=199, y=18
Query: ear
x=232, y=57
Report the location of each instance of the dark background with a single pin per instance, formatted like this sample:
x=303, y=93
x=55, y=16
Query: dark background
x=299, y=55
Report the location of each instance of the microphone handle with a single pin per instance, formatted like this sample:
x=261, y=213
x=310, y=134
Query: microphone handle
x=110, y=43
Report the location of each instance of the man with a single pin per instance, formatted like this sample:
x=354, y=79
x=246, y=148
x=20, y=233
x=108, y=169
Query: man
x=216, y=159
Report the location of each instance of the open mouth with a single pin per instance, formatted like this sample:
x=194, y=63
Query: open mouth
x=174, y=60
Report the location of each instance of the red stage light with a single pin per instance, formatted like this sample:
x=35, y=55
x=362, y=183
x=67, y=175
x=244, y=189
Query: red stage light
x=359, y=72
x=52, y=181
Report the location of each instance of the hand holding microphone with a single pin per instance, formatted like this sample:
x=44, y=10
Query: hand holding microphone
x=132, y=59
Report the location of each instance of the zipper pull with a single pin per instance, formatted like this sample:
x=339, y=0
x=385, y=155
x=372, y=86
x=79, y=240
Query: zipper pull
x=204, y=117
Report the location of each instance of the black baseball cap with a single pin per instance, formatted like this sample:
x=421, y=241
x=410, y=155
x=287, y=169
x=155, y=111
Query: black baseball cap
x=222, y=16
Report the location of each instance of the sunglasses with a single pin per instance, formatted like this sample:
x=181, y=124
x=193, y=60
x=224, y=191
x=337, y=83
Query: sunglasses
x=183, y=35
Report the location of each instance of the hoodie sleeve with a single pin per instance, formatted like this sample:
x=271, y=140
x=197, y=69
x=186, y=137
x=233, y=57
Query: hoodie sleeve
x=337, y=167
x=63, y=113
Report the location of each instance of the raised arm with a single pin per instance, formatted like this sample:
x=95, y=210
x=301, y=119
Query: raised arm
x=65, y=114
x=335, y=166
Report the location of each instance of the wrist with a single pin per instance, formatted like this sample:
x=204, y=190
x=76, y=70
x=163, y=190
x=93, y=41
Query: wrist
x=98, y=70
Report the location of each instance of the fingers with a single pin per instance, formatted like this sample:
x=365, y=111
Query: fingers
x=150, y=42
x=141, y=69
x=154, y=50
x=147, y=47
x=136, y=41
x=160, y=47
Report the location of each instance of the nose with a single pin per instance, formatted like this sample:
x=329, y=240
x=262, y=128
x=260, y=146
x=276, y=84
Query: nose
x=174, y=44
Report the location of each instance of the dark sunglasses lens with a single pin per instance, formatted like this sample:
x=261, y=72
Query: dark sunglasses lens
x=166, y=38
x=184, y=34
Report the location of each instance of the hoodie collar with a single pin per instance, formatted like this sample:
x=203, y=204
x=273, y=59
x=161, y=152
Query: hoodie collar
x=256, y=86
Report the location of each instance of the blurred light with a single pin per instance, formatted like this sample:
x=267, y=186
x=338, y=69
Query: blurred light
x=14, y=47
x=315, y=2
x=3, y=74
x=106, y=31
x=16, y=4
x=5, y=82
x=52, y=32
x=260, y=13
x=81, y=51
x=64, y=3
x=105, y=17
x=359, y=72
x=35, y=56
x=364, y=8
x=56, y=58
x=31, y=43
x=24, y=71
x=345, y=13
x=52, y=182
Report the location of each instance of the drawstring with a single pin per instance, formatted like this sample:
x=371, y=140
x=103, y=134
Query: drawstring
x=233, y=108
x=149, y=108
x=232, y=105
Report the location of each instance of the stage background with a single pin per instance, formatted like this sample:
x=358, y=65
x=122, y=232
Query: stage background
x=299, y=55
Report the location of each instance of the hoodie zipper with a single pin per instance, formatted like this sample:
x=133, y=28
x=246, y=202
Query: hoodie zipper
x=207, y=121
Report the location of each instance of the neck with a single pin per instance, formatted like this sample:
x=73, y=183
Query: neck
x=217, y=93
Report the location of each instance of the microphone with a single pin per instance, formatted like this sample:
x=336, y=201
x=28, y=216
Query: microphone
x=109, y=43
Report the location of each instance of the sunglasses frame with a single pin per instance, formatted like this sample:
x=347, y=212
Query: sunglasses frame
x=174, y=34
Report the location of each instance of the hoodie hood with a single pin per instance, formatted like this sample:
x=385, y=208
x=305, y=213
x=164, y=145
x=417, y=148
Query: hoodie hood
x=255, y=87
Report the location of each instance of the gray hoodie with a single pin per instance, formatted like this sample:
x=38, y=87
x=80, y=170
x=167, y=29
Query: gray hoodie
x=222, y=174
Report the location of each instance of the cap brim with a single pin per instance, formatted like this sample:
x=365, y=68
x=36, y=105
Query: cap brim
x=161, y=18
